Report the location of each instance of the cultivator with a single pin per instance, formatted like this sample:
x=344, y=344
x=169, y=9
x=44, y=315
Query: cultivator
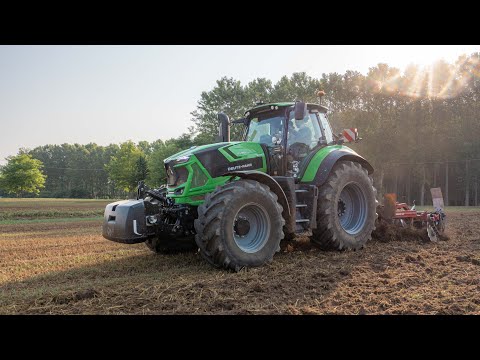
x=401, y=214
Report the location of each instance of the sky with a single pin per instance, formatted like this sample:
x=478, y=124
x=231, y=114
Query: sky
x=110, y=94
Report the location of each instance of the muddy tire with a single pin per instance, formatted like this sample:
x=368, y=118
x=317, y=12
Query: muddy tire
x=170, y=245
x=346, y=212
x=239, y=225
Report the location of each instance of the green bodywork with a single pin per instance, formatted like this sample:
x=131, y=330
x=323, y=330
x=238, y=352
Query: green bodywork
x=195, y=188
x=316, y=161
x=200, y=181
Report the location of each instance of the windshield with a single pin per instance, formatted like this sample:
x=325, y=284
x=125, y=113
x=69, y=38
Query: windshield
x=263, y=129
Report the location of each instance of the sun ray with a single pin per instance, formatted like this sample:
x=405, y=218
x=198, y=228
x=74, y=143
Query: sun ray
x=456, y=82
x=391, y=84
x=430, y=74
x=437, y=81
x=414, y=88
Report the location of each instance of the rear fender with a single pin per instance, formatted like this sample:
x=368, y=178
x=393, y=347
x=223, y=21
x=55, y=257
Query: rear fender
x=331, y=159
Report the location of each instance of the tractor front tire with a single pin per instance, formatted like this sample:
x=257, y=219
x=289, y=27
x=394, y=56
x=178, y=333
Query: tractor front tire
x=239, y=225
x=346, y=211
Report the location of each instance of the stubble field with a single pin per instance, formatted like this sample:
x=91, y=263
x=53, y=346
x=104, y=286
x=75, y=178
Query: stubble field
x=54, y=260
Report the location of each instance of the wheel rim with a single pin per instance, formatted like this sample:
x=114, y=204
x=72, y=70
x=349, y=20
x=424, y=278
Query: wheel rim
x=251, y=228
x=352, y=209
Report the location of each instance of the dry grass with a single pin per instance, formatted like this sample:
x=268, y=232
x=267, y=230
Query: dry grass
x=52, y=203
x=68, y=268
x=27, y=209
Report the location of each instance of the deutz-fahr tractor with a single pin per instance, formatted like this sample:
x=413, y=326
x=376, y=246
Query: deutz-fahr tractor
x=235, y=201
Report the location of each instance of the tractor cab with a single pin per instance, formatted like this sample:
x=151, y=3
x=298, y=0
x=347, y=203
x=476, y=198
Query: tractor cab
x=289, y=132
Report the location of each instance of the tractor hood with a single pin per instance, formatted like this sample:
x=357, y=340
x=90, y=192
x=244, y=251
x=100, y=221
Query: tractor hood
x=220, y=158
x=196, y=149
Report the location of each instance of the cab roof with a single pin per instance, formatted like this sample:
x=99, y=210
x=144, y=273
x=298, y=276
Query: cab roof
x=271, y=106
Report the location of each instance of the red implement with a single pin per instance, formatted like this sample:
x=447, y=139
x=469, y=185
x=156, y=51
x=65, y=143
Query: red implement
x=403, y=211
x=402, y=214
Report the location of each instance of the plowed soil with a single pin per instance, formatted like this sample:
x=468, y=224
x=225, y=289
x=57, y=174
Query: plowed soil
x=69, y=268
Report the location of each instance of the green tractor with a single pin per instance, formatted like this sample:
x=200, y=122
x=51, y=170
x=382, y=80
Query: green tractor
x=235, y=201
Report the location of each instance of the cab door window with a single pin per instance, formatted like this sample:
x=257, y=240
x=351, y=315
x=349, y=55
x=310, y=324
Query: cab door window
x=327, y=130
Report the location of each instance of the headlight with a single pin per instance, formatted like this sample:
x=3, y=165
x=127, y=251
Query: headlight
x=182, y=159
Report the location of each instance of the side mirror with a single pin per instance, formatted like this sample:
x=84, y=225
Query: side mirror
x=300, y=110
x=223, y=127
x=243, y=121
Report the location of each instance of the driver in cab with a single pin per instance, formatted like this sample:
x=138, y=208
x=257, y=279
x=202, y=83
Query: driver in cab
x=299, y=133
x=299, y=143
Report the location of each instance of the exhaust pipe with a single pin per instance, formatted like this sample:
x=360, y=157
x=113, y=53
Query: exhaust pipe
x=223, y=128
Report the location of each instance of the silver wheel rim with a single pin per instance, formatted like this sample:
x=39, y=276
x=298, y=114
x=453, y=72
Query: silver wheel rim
x=251, y=228
x=352, y=209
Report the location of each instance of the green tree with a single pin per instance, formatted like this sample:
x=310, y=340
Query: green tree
x=141, y=169
x=257, y=90
x=228, y=96
x=145, y=146
x=122, y=168
x=299, y=86
x=184, y=141
x=22, y=175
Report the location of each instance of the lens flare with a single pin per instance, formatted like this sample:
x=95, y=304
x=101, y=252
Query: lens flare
x=437, y=81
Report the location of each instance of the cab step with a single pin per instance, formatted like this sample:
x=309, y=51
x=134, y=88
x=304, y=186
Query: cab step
x=305, y=207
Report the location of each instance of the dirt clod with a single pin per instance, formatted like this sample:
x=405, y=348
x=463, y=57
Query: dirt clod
x=388, y=232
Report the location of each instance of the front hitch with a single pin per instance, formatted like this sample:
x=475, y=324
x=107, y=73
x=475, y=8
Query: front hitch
x=143, y=191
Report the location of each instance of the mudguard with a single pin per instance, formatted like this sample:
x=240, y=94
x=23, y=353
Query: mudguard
x=328, y=161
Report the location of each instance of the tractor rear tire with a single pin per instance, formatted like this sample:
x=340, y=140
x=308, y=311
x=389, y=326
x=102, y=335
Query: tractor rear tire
x=239, y=225
x=171, y=245
x=346, y=212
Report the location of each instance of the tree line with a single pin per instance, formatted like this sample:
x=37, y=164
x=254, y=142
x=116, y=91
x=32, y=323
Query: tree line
x=91, y=171
x=420, y=129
